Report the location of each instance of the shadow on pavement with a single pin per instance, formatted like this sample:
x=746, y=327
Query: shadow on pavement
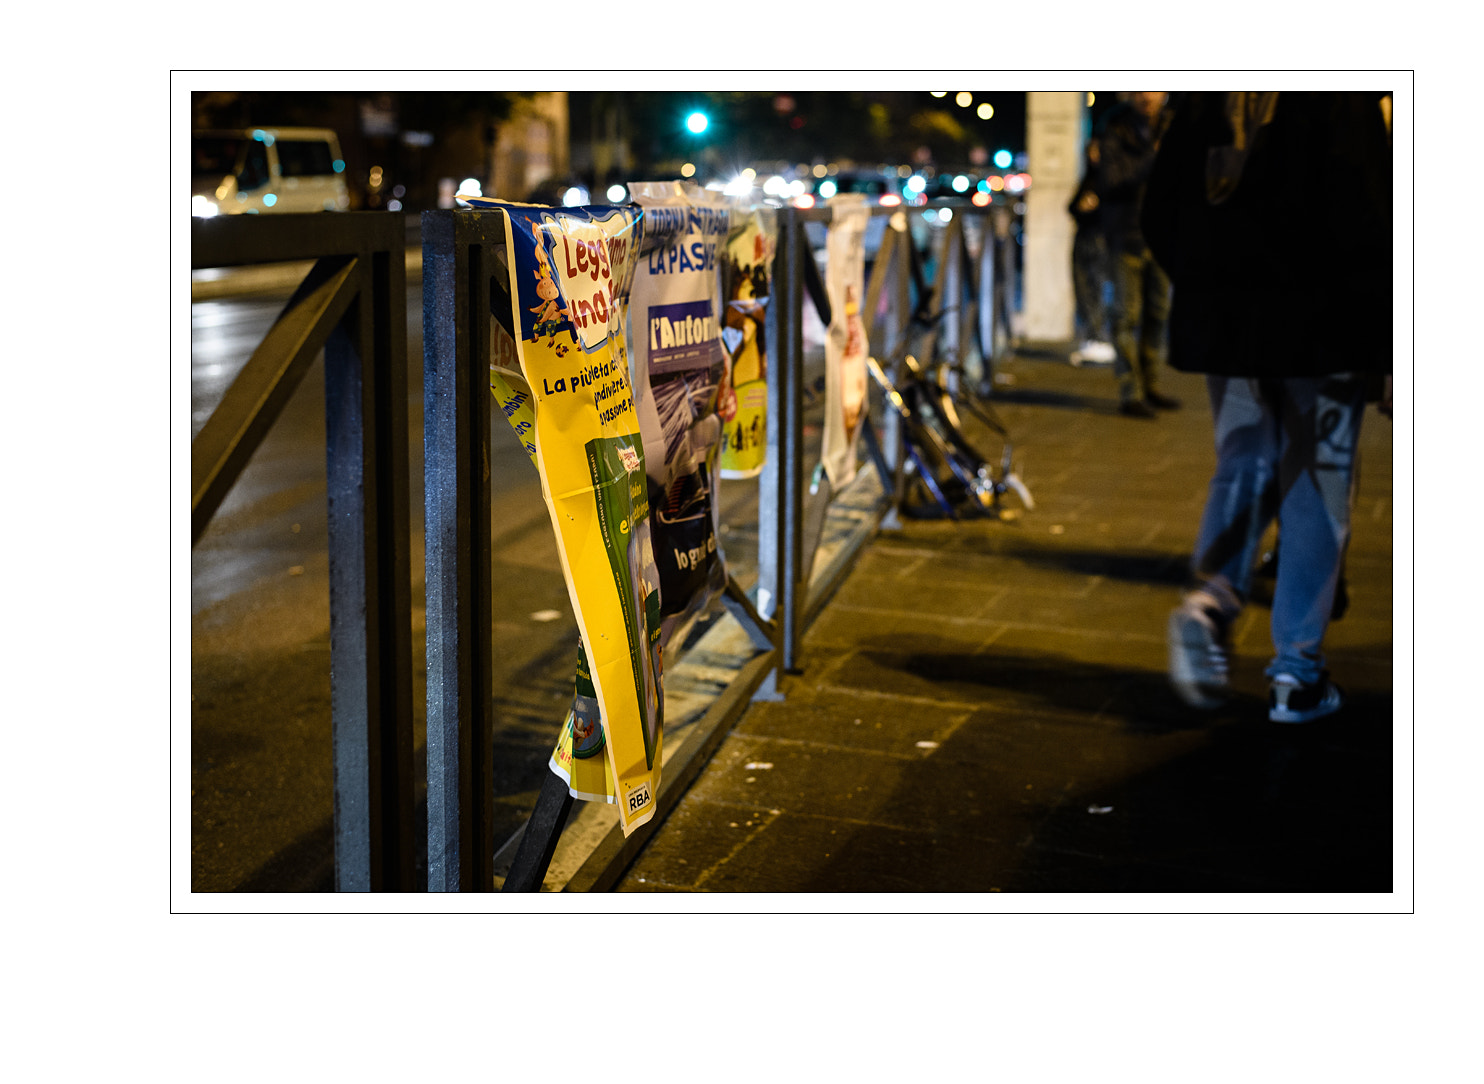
x=1155, y=568
x=1083, y=404
x=1246, y=807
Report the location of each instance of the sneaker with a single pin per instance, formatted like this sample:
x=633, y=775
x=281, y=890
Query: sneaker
x=1162, y=402
x=1197, y=642
x=1135, y=408
x=1291, y=701
x=1098, y=352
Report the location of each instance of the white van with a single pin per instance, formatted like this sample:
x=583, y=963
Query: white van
x=267, y=171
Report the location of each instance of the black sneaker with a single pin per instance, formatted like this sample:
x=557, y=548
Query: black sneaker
x=1135, y=408
x=1162, y=402
x=1291, y=701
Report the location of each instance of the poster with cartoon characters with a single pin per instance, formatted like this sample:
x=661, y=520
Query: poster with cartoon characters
x=570, y=272
x=845, y=344
x=677, y=365
x=746, y=285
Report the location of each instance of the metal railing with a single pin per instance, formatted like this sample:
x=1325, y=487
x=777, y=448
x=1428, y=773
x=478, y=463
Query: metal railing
x=464, y=276
x=351, y=306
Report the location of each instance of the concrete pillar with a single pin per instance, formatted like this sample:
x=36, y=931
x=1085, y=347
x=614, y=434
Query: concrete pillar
x=1054, y=125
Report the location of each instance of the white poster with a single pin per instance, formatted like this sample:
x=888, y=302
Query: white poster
x=845, y=346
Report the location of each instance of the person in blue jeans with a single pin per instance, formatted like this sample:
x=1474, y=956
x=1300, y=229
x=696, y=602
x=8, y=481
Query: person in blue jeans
x=1285, y=448
x=1272, y=214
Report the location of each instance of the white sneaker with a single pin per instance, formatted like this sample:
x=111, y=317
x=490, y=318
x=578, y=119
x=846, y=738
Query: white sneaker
x=1098, y=352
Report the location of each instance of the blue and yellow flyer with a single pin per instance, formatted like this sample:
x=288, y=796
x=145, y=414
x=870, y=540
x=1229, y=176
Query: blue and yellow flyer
x=571, y=271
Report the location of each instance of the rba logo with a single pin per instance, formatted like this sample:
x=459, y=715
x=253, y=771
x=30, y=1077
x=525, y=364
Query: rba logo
x=639, y=797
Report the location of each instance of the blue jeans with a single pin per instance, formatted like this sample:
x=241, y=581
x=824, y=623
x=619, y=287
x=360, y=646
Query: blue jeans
x=1284, y=448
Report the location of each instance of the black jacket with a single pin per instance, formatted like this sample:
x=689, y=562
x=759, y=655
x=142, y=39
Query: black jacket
x=1086, y=220
x=1280, y=258
x=1127, y=142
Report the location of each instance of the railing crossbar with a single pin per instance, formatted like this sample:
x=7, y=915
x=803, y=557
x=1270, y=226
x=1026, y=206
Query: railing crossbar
x=257, y=395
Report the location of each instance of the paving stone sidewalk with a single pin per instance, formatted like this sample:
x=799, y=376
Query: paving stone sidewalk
x=983, y=705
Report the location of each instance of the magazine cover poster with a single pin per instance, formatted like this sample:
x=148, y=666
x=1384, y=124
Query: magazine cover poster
x=678, y=365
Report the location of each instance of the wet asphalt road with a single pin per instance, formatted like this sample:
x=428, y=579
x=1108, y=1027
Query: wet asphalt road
x=261, y=775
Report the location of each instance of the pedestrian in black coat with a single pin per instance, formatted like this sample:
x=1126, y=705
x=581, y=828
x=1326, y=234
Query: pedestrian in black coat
x=1128, y=139
x=1271, y=211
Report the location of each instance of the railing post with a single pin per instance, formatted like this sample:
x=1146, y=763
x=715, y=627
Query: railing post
x=988, y=308
x=791, y=438
x=457, y=268
x=769, y=592
x=370, y=610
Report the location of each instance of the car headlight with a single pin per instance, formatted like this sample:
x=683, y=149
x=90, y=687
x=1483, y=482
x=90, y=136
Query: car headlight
x=201, y=207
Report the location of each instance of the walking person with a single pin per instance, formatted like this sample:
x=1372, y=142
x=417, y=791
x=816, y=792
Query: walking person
x=1089, y=266
x=1272, y=213
x=1127, y=141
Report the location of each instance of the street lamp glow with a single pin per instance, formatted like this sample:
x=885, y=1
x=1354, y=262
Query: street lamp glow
x=985, y=110
x=964, y=99
x=697, y=122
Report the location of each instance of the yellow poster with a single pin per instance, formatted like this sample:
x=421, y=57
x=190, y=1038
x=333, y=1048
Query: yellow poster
x=746, y=270
x=570, y=272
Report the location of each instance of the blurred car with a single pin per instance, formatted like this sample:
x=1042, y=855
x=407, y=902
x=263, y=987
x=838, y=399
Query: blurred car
x=873, y=184
x=267, y=171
